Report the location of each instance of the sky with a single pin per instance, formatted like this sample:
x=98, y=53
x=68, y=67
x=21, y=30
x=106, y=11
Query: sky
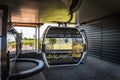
x=30, y=32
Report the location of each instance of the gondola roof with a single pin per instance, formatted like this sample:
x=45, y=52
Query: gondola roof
x=62, y=32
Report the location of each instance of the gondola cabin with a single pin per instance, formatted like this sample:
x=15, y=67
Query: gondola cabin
x=63, y=46
x=13, y=47
x=11, y=50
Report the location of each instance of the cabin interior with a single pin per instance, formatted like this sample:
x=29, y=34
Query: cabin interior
x=100, y=19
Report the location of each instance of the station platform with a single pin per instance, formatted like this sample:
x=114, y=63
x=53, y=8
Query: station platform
x=93, y=69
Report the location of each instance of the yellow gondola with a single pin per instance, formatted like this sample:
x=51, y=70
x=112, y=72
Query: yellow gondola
x=63, y=46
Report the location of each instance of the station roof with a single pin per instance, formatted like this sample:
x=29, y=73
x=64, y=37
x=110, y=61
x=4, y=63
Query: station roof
x=37, y=12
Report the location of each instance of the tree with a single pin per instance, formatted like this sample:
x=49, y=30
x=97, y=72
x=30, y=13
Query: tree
x=25, y=38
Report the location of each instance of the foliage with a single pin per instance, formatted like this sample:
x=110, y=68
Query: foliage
x=11, y=44
x=28, y=42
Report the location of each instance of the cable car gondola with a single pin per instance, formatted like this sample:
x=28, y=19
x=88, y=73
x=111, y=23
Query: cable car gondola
x=14, y=46
x=63, y=46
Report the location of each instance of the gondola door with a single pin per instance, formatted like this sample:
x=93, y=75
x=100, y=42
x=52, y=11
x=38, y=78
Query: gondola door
x=3, y=55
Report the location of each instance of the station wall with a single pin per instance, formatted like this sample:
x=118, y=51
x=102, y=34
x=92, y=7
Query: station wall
x=104, y=37
x=101, y=21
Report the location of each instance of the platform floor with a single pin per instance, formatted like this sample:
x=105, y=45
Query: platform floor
x=93, y=69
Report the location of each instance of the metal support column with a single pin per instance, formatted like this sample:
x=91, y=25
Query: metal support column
x=4, y=67
x=36, y=38
x=78, y=18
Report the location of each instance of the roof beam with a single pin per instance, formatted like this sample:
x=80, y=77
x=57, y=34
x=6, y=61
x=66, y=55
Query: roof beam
x=20, y=24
